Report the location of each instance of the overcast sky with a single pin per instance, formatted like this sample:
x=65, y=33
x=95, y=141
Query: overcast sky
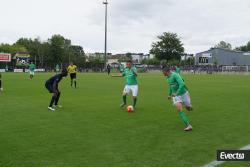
x=133, y=24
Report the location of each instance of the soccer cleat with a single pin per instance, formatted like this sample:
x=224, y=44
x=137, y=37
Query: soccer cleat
x=1, y=89
x=51, y=108
x=189, y=108
x=188, y=128
x=122, y=105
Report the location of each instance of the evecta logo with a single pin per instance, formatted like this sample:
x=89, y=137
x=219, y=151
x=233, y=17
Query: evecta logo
x=233, y=155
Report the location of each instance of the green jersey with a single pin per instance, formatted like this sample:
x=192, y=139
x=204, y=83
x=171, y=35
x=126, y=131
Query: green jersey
x=32, y=67
x=176, y=84
x=130, y=76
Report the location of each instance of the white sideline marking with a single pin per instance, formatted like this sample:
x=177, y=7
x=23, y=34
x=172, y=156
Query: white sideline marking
x=216, y=163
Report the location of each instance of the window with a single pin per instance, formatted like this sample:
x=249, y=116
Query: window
x=203, y=60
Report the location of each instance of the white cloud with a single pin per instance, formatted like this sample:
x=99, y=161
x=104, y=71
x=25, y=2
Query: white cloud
x=133, y=24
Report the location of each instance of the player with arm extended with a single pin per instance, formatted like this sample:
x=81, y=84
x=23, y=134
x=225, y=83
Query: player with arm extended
x=179, y=94
x=130, y=75
x=52, y=85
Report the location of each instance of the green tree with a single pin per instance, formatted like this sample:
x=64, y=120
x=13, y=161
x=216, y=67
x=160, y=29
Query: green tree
x=46, y=57
x=67, y=51
x=223, y=45
x=57, y=46
x=26, y=42
x=55, y=50
x=12, y=49
x=78, y=55
x=168, y=47
x=244, y=48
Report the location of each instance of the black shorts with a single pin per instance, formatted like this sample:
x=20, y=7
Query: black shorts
x=73, y=76
x=49, y=87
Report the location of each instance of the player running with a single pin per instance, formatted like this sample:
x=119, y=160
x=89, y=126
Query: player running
x=130, y=74
x=32, y=68
x=179, y=94
x=72, y=71
x=52, y=86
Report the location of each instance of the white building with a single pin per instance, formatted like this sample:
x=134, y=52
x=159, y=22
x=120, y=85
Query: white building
x=96, y=55
x=137, y=58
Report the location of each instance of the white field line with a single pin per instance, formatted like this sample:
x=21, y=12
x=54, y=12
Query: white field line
x=216, y=163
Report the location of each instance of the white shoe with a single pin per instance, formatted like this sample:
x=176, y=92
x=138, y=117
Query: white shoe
x=1, y=89
x=50, y=108
x=188, y=128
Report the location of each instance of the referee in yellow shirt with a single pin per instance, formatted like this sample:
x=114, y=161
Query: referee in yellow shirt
x=72, y=71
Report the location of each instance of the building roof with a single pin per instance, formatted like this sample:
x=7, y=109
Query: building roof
x=228, y=50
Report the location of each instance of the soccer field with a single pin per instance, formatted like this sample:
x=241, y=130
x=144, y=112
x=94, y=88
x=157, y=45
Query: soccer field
x=92, y=131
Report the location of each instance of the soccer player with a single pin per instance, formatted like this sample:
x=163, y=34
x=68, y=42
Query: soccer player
x=52, y=86
x=130, y=75
x=108, y=68
x=72, y=71
x=32, y=68
x=179, y=94
x=57, y=68
x=1, y=88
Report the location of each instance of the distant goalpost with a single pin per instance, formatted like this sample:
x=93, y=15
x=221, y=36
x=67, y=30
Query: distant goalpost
x=235, y=68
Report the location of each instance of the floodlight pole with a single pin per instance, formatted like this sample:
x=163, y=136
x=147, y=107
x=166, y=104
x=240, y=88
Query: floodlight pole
x=105, y=45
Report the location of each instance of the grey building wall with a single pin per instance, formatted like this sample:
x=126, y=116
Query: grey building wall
x=224, y=57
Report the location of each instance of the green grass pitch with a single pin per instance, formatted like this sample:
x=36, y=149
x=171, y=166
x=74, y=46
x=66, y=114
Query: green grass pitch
x=92, y=131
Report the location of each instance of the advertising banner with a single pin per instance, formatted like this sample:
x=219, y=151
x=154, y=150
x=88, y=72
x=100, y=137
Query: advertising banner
x=5, y=57
x=22, y=59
